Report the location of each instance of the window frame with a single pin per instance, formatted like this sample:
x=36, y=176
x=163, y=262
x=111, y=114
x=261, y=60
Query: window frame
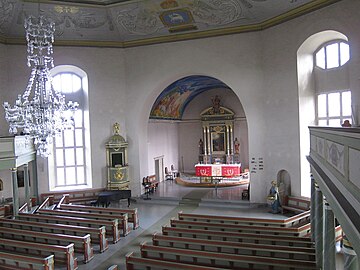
x=81, y=165
x=327, y=118
x=323, y=46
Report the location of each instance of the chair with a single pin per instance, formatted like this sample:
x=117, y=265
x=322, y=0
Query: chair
x=168, y=175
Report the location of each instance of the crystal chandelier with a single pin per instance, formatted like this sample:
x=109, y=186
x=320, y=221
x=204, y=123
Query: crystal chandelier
x=40, y=112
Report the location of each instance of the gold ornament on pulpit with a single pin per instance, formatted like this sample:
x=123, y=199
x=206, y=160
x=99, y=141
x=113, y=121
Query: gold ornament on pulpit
x=118, y=175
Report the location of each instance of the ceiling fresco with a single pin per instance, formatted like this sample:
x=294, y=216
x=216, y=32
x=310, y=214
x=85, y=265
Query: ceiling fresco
x=171, y=103
x=140, y=22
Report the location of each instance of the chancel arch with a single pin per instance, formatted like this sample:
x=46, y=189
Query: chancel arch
x=177, y=121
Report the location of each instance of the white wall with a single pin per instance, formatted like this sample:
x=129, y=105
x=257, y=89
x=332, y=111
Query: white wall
x=162, y=141
x=260, y=67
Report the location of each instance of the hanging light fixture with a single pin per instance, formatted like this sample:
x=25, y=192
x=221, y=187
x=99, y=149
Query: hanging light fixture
x=41, y=111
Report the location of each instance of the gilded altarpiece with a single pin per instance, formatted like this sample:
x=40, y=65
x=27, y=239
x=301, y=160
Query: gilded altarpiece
x=117, y=165
x=218, y=127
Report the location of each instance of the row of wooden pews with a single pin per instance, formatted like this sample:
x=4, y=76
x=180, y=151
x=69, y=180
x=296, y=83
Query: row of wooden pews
x=57, y=233
x=194, y=241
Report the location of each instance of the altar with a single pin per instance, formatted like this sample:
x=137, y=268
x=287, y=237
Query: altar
x=218, y=170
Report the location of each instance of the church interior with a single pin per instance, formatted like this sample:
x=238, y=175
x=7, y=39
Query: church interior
x=179, y=134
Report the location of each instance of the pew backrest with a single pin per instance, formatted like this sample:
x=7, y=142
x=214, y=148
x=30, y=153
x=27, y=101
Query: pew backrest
x=298, y=231
x=97, y=234
x=132, y=213
x=288, y=222
x=62, y=254
x=112, y=227
x=82, y=244
x=25, y=262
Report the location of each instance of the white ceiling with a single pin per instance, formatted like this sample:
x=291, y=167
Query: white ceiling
x=125, y=23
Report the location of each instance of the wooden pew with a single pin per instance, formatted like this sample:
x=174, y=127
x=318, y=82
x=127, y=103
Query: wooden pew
x=11, y=261
x=139, y=263
x=296, y=204
x=121, y=220
x=97, y=234
x=223, y=260
x=62, y=254
x=111, y=226
x=240, y=248
x=288, y=222
x=239, y=237
x=82, y=244
x=5, y=210
x=299, y=231
x=132, y=213
x=77, y=196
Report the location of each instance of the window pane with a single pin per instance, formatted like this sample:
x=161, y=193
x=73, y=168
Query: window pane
x=78, y=137
x=346, y=103
x=332, y=55
x=80, y=175
x=66, y=83
x=334, y=122
x=322, y=123
x=70, y=157
x=59, y=157
x=320, y=58
x=69, y=138
x=70, y=176
x=80, y=156
x=59, y=140
x=76, y=83
x=322, y=105
x=334, y=104
x=56, y=82
x=60, y=181
x=78, y=118
x=344, y=53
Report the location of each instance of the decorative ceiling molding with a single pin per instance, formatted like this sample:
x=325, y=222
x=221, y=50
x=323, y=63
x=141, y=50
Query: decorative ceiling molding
x=133, y=23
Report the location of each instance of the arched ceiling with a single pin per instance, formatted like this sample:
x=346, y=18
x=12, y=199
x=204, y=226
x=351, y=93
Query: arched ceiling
x=171, y=103
x=125, y=23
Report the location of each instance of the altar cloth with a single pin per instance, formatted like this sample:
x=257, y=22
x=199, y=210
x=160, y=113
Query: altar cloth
x=218, y=170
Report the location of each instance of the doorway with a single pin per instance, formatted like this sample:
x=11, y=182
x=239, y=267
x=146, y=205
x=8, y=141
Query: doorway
x=159, y=168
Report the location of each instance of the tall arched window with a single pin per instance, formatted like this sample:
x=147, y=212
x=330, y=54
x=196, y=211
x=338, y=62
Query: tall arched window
x=69, y=164
x=323, y=80
x=333, y=93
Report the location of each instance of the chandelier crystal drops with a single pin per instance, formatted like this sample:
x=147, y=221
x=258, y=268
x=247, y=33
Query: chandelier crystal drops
x=41, y=111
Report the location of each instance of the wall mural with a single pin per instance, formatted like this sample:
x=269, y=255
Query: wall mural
x=172, y=102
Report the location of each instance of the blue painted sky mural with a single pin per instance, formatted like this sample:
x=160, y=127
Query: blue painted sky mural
x=172, y=102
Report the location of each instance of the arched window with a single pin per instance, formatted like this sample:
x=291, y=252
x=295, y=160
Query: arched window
x=332, y=55
x=333, y=95
x=69, y=165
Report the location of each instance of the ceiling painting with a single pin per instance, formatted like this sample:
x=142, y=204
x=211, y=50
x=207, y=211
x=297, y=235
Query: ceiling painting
x=125, y=23
x=172, y=102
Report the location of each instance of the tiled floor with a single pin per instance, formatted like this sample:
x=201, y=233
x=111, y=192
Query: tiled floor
x=165, y=203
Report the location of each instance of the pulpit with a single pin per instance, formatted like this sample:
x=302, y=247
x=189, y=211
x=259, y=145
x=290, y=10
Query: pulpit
x=117, y=165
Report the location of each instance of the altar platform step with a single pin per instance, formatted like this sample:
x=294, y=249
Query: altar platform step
x=229, y=204
x=190, y=201
x=158, y=200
